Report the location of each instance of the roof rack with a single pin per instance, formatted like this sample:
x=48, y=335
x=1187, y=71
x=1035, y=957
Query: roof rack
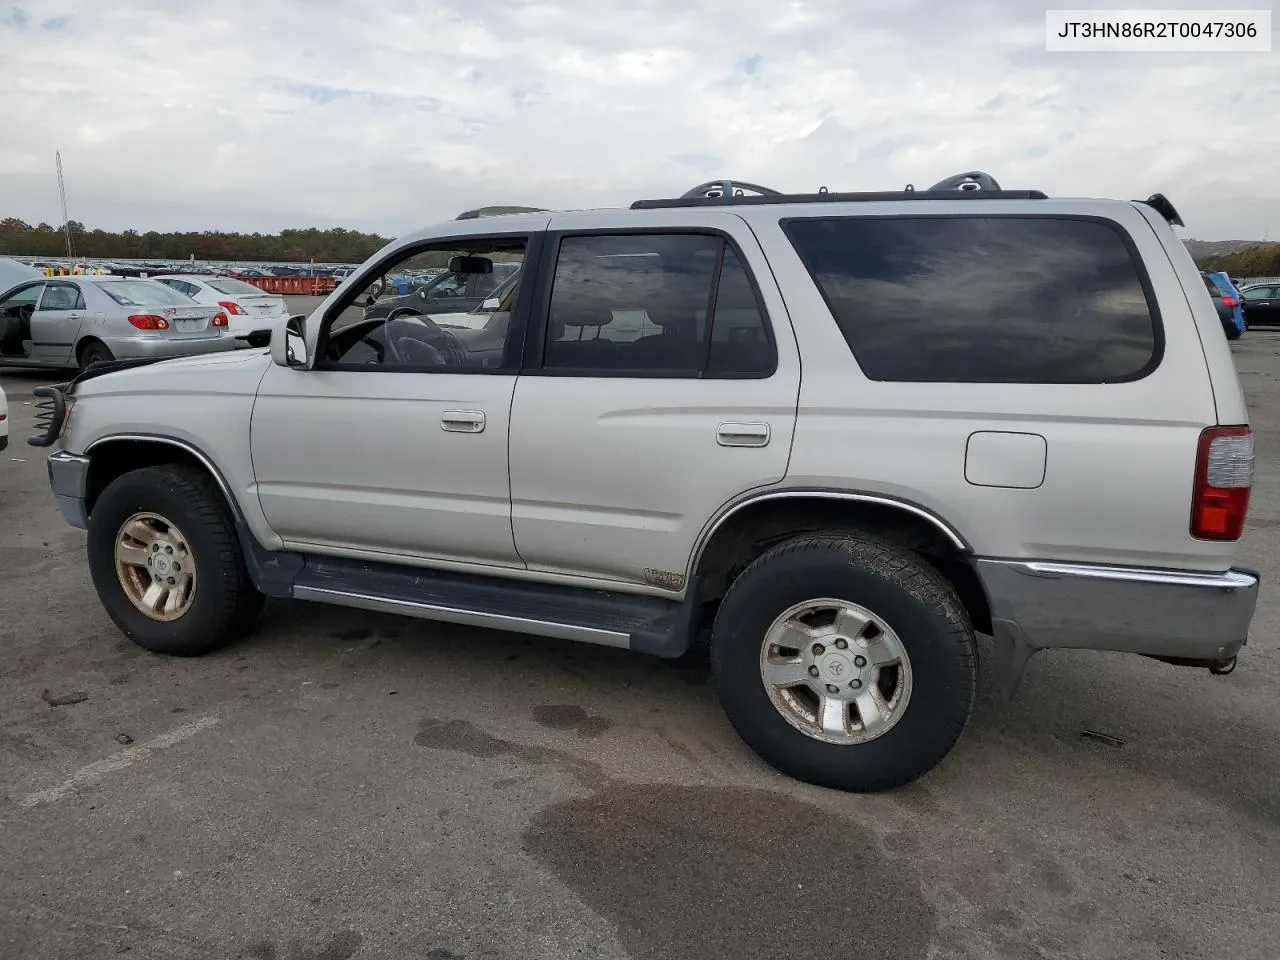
x=496, y=211
x=971, y=185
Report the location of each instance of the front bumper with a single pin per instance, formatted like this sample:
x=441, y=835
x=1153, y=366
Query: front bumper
x=1170, y=614
x=69, y=479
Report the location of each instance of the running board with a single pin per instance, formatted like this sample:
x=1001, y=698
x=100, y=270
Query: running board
x=628, y=621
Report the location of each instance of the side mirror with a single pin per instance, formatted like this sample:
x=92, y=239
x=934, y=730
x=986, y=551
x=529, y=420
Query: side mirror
x=289, y=343
x=492, y=304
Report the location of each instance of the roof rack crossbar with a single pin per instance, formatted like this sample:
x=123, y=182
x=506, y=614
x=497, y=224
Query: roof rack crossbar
x=971, y=184
x=728, y=188
x=830, y=197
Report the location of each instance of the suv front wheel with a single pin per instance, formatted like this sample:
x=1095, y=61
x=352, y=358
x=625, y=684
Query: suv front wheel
x=845, y=662
x=166, y=561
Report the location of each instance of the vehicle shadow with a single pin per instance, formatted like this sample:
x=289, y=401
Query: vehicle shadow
x=1036, y=746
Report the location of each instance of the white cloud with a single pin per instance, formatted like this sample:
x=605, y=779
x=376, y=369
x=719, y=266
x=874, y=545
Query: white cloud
x=257, y=116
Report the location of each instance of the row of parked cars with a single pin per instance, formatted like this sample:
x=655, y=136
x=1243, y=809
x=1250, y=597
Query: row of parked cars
x=77, y=320
x=69, y=321
x=1241, y=306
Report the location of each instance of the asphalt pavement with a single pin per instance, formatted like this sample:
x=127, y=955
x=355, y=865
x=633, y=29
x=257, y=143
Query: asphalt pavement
x=347, y=785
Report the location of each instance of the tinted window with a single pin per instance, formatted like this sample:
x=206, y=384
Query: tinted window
x=640, y=303
x=60, y=296
x=740, y=340
x=983, y=299
x=1258, y=293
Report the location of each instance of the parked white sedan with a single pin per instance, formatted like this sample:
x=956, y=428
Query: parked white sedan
x=251, y=312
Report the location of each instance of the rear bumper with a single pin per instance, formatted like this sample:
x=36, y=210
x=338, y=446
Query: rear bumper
x=128, y=348
x=1156, y=613
x=69, y=480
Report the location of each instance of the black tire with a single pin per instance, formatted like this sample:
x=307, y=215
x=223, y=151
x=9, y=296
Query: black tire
x=224, y=601
x=93, y=351
x=1232, y=332
x=911, y=597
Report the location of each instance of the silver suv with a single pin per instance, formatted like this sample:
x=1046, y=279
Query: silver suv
x=833, y=434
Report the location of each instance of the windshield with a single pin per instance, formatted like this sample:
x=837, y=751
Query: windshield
x=500, y=293
x=234, y=287
x=144, y=293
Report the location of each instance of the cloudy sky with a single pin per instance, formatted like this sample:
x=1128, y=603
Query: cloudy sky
x=257, y=116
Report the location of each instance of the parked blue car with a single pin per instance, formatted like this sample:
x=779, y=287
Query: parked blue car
x=1226, y=298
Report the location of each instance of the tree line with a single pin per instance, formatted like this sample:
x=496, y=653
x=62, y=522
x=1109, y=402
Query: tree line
x=1260, y=261
x=337, y=245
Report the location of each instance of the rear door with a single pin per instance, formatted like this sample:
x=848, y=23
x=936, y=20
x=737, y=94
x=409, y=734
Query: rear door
x=624, y=442
x=56, y=322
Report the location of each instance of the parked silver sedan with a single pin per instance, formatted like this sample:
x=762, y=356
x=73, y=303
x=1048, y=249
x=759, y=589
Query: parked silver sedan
x=76, y=321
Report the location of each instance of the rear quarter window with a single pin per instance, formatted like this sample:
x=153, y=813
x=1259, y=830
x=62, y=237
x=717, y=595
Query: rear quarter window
x=984, y=299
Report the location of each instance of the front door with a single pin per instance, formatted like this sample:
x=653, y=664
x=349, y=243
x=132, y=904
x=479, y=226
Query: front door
x=1262, y=306
x=16, y=310
x=394, y=445
x=55, y=324
x=662, y=385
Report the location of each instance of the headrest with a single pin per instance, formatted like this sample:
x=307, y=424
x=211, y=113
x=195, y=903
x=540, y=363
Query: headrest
x=586, y=306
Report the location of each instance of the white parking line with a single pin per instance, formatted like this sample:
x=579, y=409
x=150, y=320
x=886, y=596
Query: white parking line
x=95, y=771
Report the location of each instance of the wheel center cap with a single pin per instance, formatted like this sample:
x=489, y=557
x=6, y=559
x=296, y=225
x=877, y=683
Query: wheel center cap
x=837, y=668
x=160, y=564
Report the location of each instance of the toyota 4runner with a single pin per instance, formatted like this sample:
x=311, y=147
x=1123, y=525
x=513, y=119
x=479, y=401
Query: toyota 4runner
x=836, y=434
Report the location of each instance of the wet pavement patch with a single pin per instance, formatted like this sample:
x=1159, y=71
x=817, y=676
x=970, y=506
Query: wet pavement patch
x=711, y=872
x=460, y=736
x=567, y=716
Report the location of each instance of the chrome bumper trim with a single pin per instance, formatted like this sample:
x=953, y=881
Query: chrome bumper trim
x=1168, y=613
x=69, y=480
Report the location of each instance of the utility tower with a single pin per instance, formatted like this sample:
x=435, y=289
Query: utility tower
x=62, y=194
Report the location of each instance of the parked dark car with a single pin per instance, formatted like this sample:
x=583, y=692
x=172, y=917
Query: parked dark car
x=1261, y=303
x=454, y=291
x=1226, y=298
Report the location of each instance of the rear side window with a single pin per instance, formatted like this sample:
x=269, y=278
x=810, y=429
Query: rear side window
x=979, y=299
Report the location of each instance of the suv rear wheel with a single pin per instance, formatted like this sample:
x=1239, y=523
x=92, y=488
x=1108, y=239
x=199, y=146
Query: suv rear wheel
x=167, y=564
x=845, y=662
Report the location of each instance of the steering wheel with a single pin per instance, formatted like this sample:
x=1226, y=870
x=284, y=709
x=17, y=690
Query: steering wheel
x=427, y=345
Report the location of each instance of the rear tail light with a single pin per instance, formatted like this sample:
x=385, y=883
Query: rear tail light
x=1229, y=301
x=1224, y=477
x=232, y=308
x=149, y=321
x=220, y=319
